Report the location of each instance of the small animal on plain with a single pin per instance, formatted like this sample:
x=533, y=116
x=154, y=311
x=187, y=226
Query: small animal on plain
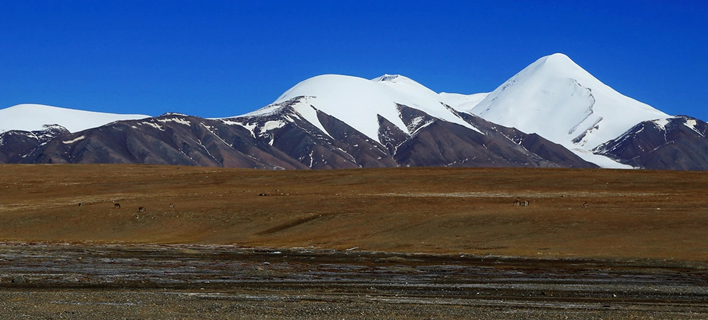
x=517, y=202
x=526, y=203
x=585, y=205
x=116, y=205
x=80, y=204
x=142, y=209
x=172, y=205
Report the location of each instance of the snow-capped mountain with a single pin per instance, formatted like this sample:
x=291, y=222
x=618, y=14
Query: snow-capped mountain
x=552, y=97
x=33, y=117
x=559, y=100
x=551, y=114
x=359, y=102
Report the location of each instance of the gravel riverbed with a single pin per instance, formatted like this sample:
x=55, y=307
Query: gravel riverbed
x=100, y=281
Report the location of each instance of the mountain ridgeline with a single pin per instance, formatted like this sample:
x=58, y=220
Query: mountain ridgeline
x=551, y=114
x=283, y=140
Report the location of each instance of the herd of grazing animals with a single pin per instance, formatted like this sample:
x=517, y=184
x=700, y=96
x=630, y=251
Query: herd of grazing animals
x=524, y=203
x=520, y=203
x=116, y=205
x=517, y=203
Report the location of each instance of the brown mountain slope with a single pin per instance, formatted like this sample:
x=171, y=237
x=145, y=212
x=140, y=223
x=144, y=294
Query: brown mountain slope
x=678, y=144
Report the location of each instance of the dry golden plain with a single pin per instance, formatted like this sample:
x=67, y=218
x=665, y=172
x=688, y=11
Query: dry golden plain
x=630, y=214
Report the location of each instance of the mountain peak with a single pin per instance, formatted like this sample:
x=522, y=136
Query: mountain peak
x=557, y=58
x=558, y=65
x=559, y=100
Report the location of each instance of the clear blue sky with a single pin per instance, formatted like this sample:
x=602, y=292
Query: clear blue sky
x=224, y=58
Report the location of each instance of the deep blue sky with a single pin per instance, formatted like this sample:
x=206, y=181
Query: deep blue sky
x=224, y=58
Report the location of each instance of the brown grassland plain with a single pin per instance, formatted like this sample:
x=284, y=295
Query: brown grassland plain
x=415, y=243
x=630, y=214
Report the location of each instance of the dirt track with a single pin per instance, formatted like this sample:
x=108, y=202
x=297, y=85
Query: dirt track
x=638, y=249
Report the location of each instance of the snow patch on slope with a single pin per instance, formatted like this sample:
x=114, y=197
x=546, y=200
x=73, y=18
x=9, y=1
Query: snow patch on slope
x=176, y=120
x=74, y=140
x=691, y=124
x=272, y=125
x=248, y=126
x=154, y=125
x=32, y=117
x=661, y=123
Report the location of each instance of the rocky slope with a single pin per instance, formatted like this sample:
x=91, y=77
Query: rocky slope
x=677, y=143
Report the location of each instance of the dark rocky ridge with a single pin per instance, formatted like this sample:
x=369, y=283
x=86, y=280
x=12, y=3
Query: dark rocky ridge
x=16, y=144
x=680, y=144
x=168, y=139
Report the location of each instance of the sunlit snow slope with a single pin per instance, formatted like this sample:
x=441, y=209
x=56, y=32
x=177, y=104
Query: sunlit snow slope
x=357, y=101
x=559, y=100
x=462, y=102
x=31, y=117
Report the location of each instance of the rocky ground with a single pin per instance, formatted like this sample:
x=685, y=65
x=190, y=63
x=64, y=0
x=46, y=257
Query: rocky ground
x=79, y=281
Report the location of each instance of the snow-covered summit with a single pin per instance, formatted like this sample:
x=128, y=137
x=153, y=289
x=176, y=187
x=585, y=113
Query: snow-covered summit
x=33, y=117
x=557, y=99
x=358, y=101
